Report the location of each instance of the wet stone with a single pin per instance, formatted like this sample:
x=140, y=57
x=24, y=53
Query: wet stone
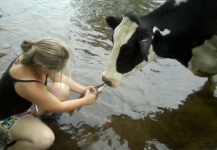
x=2, y=55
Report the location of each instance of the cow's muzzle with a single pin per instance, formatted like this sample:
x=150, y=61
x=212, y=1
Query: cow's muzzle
x=106, y=81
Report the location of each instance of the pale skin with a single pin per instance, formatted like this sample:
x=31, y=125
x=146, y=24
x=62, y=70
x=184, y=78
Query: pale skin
x=30, y=132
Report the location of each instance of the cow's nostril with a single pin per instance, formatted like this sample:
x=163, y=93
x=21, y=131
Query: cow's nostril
x=109, y=83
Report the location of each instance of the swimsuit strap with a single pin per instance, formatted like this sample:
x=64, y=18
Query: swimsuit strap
x=17, y=80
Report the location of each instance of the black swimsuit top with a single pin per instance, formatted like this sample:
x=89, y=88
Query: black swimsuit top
x=10, y=102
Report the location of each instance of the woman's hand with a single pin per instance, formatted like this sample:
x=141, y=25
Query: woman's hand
x=91, y=88
x=89, y=97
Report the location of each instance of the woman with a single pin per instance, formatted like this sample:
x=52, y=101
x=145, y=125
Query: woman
x=24, y=95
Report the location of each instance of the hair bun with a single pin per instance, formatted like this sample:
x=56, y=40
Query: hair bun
x=26, y=45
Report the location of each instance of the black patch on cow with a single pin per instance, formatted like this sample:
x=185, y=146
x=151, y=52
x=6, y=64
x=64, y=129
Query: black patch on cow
x=166, y=47
x=131, y=53
x=128, y=57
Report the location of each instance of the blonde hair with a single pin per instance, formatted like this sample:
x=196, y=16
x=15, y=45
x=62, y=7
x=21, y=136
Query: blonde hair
x=46, y=52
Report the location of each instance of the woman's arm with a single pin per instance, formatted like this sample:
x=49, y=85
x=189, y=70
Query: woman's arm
x=38, y=94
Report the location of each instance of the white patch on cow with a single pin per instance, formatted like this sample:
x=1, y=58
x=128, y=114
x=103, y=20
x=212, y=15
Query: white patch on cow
x=122, y=34
x=178, y=2
x=155, y=29
x=163, y=33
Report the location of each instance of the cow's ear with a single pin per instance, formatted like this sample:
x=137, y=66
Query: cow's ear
x=144, y=38
x=145, y=45
x=113, y=22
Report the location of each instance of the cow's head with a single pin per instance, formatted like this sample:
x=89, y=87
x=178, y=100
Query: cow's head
x=131, y=48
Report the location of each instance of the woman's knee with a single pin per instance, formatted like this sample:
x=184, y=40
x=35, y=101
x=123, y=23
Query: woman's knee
x=60, y=90
x=32, y=132
x=45, y=140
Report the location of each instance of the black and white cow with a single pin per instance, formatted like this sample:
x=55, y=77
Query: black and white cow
x=173, y=30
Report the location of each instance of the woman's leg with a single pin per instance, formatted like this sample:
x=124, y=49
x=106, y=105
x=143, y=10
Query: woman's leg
x=31, y=133
x=58, y=89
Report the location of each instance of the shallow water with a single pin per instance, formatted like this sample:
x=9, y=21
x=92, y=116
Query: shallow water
x=161, y=107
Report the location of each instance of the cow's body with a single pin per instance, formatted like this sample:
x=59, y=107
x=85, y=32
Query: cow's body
x=170, y=31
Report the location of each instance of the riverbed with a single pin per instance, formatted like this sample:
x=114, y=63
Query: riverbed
x=162, y=107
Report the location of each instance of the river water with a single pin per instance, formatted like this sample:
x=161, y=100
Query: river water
x=164, y=106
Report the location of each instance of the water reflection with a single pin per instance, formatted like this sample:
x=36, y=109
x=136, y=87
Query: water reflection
x=184, y=128
x=161, y=107
x=191, y=126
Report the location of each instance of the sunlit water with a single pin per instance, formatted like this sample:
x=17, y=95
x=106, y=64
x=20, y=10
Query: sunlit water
x=161, y=107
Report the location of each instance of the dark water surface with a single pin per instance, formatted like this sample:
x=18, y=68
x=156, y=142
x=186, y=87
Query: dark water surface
x=161, y=107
